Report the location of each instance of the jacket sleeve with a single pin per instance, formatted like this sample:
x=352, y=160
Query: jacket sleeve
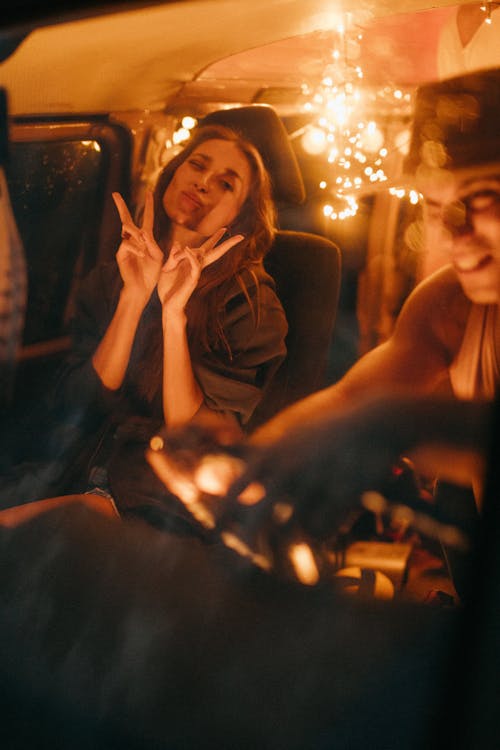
x=235, y=382
x=78, y=383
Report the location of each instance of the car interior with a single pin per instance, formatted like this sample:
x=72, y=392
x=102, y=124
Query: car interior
x=97, y=98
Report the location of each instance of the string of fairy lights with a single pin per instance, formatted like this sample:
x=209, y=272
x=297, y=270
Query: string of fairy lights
x=351, y=126
x=359, y=129
x=342, y=130
x=356, y=127
x=356, y=131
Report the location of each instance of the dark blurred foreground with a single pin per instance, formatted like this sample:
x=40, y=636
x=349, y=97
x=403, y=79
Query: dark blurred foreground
x=113, y=635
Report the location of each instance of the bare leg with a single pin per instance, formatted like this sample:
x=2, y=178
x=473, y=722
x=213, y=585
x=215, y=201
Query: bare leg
x=22, y=513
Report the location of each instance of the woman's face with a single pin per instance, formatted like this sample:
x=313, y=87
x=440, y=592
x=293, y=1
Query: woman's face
x=209, y=188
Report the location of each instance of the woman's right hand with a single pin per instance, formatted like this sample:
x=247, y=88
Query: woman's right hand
x=139, y=257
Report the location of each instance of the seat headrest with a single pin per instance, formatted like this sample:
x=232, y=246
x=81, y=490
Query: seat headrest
x=259, y=124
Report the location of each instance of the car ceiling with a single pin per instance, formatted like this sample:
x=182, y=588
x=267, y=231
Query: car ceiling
x=221, y=50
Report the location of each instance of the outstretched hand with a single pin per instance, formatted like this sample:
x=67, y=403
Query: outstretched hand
x=311, y=478
x=318, y=474
x=312, y=482
x=139, y=257
x=181, y=272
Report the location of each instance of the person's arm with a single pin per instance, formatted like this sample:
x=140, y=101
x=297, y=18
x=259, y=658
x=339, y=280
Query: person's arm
x=298, y=441
x=318, y=475
x=414, y=360
x=139, y=260
x=111, y=357
x=234, y=379
x=183, y=397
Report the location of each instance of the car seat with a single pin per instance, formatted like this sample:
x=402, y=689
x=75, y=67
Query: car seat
x=305, y=266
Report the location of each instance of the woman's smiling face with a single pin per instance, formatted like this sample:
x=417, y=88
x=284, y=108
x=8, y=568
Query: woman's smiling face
x=208, y=190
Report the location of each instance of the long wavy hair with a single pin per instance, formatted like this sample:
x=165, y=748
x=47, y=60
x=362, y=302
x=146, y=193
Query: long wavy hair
x=256, y=221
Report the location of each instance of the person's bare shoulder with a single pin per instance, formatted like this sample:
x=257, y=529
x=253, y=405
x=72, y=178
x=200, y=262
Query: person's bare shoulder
x=442, y=307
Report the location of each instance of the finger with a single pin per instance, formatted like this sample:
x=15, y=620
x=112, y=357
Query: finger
x=123, y=211
x=175, y=249
x=148, y=216
x=169, y=267
x=173, y=263
x=130, y=232
x=212, y=240
x=174, y=257
x=195, y=262
x=194, y=256
x=129, y=249
x=151, y=246
x=217, y=252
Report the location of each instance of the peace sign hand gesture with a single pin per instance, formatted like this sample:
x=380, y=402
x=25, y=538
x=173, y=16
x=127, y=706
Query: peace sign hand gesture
x=180, y=274
x=139, y=257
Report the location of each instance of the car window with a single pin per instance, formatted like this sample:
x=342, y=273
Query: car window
x=60, y=176
x=55, y=190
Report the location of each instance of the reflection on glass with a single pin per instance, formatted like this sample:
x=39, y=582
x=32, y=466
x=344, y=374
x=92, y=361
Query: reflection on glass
x=55, y=197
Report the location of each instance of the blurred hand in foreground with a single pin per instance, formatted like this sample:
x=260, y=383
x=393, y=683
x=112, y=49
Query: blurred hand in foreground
x=309, y=482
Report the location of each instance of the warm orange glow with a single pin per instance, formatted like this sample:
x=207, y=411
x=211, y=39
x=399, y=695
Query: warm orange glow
x=304, y=564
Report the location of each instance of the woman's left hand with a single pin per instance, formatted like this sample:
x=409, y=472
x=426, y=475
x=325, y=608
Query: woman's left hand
x=181, y=272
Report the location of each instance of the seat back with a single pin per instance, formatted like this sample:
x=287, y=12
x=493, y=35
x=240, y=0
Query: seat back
x=306, y=269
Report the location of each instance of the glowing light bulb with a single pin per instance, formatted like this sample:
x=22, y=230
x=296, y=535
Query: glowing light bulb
x=188, y=122
x=180, y=135
x=402, y=141
x=373, y=139
x=313, y=140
